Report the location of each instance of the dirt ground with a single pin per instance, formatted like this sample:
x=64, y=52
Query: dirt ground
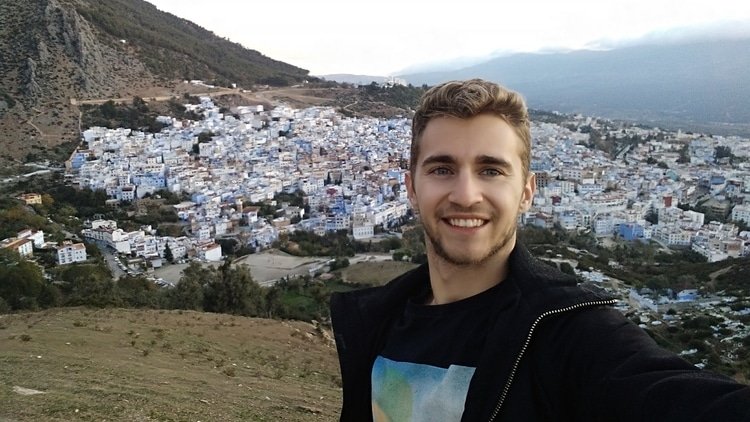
x=272, y=264
x=148, y=365
x=265, y=267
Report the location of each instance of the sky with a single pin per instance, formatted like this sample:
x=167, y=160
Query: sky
x=387, y=37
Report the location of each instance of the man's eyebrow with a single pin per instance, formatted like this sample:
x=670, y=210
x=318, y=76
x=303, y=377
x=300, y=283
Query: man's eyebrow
x=495, y=161
x=481, y=160
x=439, y=159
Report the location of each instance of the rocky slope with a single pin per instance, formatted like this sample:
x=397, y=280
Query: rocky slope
x=53, y=52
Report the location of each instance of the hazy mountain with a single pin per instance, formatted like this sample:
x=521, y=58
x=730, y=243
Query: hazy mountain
x=692, y=83
x=355, y=79
x=55, y=50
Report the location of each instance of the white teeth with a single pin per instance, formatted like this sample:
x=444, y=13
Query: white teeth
x=472, y=222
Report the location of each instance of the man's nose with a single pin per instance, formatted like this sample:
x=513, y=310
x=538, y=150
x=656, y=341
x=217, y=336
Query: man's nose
x=466, y=191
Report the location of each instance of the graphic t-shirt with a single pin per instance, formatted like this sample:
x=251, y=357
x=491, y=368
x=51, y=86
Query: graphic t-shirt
x=430, y=354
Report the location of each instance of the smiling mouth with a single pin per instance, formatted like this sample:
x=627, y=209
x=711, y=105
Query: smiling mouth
x=466, y=222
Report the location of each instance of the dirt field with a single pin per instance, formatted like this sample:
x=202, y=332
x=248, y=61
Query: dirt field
x=265, y=266
x=272, y=264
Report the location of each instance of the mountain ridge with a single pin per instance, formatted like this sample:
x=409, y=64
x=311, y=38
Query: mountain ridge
x=697, y=82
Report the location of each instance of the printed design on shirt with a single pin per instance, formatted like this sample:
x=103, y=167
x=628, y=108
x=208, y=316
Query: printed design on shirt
x=404, y=391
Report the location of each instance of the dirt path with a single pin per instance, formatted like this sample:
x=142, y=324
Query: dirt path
x=223, y=91
x=717, y=273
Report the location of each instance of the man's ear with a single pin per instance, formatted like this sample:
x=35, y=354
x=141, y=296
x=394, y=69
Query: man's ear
x=410, y=190
x=529, y=188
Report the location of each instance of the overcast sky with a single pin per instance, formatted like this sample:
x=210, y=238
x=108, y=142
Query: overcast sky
x=386, y=37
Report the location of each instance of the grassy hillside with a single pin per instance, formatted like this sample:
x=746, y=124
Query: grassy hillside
x=126, y=365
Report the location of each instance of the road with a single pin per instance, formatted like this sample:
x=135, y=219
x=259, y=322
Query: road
x=109, y=258
x=216, y=92
x=44, y=170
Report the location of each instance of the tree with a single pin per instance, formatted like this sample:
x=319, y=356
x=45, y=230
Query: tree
x=108, y=110
x=684, y=155
x=321, y=297
x=722, y=152
x=140, y=105
x=22, y=281
x=232, y=290
x=686, y=281
x=205, y=136
x=272, y=304
x=567, y=268
x=396, y=189
x=168, y=254
x=88, y=285
x=339, y=263
x=188, y=294
x=138, y=292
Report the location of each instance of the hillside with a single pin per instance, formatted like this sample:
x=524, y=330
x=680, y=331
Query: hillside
x=56, y=52
x=126, y=365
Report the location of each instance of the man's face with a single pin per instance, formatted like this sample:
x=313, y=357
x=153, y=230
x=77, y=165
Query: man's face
x=468, y=187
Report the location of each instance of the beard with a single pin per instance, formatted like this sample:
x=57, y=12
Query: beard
x=439, y=248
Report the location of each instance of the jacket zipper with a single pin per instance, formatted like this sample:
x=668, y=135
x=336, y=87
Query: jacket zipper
x=525, y=346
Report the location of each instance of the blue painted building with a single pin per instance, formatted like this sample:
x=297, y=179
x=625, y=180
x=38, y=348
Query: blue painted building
x=631, y=231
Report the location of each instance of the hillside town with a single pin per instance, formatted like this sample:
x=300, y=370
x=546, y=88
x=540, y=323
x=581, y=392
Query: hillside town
x=351, y=173
x=680, y=190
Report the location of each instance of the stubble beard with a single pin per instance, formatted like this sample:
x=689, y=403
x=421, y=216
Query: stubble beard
x=439, y=249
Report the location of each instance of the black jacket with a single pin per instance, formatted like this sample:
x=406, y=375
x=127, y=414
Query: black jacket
x=563, y=356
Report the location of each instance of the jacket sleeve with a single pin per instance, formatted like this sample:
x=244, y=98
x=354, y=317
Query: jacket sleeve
x=616, y=371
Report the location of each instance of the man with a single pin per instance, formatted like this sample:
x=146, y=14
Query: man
x=484, y=331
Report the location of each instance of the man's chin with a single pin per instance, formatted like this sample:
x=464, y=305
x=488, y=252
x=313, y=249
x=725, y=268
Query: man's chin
x=462, y=258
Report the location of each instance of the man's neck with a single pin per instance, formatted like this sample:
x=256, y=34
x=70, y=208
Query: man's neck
x=451, y=283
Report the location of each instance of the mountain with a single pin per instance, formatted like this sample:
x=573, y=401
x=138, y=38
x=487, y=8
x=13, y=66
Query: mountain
x=54, y=50
x=355, y=79
x=699, y=83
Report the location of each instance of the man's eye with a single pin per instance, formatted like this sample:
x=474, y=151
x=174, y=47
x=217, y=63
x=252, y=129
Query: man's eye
x=491, y=172
x=440, y=171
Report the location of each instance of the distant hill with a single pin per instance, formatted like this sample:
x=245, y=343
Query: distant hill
x=55, y=50
x=702, y=84
x=355, y=79
x=135, y=365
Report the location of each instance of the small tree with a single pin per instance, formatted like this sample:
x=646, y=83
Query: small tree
x=567, y=268
x=168, y=254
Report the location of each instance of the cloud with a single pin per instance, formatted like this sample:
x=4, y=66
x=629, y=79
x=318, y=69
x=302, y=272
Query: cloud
x=720, y=30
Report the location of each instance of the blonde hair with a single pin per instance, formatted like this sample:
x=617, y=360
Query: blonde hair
x=466, y=99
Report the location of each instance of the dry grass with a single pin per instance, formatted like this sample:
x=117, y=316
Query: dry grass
x=129, y=365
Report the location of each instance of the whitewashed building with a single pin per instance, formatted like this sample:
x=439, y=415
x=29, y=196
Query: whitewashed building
x=68, y=253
